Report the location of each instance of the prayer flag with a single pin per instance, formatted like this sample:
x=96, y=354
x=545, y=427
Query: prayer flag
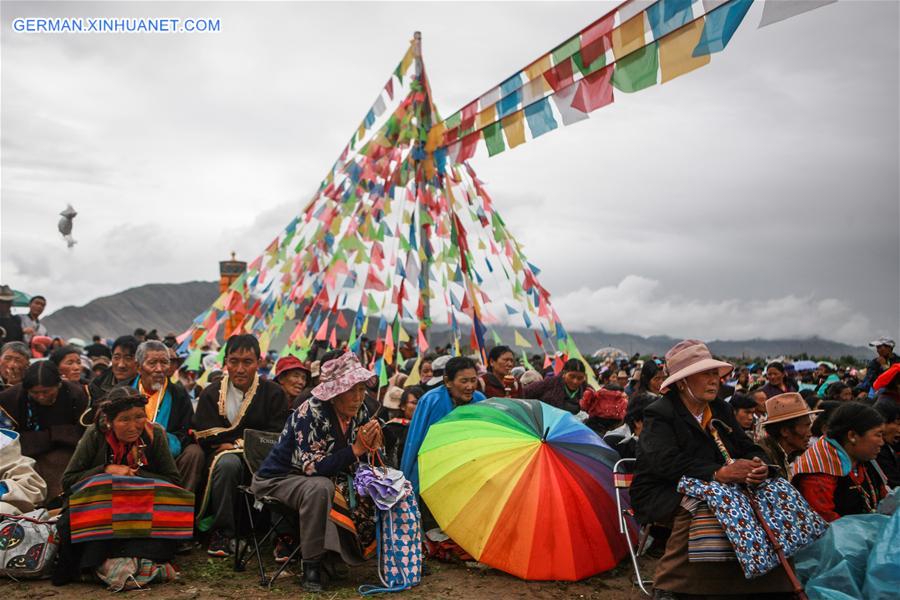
x=493, y=137
x=540, y=118
x=676, y=51
x=563, y=102
x=637, y=70
x=779, y=10
x=666, y=16
x=514, y=128
x=721, y=23
x=595, y=91
x=629, y=36
x=596, y=39
x=520, y=341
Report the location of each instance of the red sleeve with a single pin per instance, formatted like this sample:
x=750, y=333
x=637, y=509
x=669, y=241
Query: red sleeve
x=818, y=489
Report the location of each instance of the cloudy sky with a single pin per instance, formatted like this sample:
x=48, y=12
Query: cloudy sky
x=756, y=197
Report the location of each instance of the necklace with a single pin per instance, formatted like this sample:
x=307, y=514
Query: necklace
x=869, y=495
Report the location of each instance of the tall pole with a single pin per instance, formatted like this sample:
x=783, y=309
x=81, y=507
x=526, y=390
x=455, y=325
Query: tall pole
x=426, y=266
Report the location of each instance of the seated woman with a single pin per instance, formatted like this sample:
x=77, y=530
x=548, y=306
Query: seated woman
x=837, y=474
x=309, y=469
x=122, y=442
x=677, y=440
x=460, y=387
x=888, y=459
x=562, y=391
x=396, y=429
x=605, y=409
x=45, y=411
x=68, y=360
x=499, y=382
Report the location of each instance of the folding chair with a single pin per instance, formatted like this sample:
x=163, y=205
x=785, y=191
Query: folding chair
x=257, y=445
x=622, y=476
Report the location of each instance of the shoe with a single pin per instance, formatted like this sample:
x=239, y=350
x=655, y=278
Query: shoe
x=184, y=547
x=284, y=548
x=663, y=595
x=220, y=545
x=312, y=576
x=335, y=568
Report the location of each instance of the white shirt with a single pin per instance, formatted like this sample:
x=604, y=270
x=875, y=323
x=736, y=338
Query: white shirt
x=233, y=399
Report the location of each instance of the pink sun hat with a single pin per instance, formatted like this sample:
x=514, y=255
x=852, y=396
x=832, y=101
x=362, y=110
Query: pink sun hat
x=339, y=375
x=689, y=357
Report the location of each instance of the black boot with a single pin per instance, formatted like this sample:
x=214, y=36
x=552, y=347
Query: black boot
x=312, y=576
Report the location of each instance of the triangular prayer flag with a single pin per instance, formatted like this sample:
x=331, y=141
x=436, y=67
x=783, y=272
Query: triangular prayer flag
x=520, y=341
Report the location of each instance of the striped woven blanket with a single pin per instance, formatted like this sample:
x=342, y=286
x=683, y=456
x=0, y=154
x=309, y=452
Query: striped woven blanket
x=108, y=507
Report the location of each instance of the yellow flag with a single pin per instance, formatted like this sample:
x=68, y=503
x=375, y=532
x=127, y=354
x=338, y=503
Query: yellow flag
x=514, y=128
x=487, y=116
x=538, y=67
x=629, y=36
x=676, y=51
x=413, y=378
x=520, y=341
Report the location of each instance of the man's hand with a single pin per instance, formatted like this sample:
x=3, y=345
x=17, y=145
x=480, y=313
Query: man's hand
x=224, y=447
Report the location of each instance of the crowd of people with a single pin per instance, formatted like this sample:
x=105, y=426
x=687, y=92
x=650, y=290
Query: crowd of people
x=135, y=407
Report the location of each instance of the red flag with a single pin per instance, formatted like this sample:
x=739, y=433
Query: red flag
x=560, y=76
x=333, y=340
x=469, y=143
x=389, y=88
x=594, y=91
x=557, y=365
x=596, y=39
x=322, y=333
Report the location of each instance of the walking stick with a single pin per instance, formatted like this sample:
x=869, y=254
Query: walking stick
x=779, y=549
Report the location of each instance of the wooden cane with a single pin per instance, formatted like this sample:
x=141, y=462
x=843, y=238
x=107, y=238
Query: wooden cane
x=773, y=539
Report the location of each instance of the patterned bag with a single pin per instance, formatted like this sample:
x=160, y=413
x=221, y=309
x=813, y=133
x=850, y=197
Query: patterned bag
x=399, y=546
x=785, y=511
x=28, y=545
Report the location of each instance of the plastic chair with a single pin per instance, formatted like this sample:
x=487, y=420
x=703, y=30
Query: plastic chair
x=622, y=478
x=257, y=445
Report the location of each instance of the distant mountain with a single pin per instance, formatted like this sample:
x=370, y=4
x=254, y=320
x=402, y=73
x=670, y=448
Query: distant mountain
x=172, y=307
x=162, y=306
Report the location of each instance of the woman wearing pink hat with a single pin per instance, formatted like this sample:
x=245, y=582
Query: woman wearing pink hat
x=677, y=440
x=311, y=464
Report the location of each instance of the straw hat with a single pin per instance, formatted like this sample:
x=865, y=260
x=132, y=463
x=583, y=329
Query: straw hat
x=339, y=375
x=785, y=407
x=689, y=357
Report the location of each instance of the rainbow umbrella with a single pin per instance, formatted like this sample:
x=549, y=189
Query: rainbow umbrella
x=524, y=488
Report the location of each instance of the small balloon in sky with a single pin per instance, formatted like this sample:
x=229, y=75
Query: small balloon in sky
x=65, y=224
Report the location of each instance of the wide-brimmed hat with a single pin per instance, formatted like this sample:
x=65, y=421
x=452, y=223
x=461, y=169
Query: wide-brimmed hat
x=288, y=363
x=437, y=370
x=882, y=341
x=689, y=357
x=785, y=407
x=339, y=375
x=7, y=294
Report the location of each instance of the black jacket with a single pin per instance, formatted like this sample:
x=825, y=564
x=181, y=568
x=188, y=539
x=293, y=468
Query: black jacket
x=673, y=445
x=268, y=411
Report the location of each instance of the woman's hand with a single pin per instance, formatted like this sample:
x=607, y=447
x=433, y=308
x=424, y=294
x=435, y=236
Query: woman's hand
x=751, y=472
x=121, y=470
x=368, y=437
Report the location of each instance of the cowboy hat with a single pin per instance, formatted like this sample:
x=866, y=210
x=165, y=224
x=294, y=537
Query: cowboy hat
x=689, y=357
x=785, y=407
x=339, y=375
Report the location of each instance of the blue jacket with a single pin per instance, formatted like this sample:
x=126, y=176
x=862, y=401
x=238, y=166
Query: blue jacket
x=432, y=407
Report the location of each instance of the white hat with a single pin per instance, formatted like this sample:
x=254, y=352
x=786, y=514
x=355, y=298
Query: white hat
x=437, y=369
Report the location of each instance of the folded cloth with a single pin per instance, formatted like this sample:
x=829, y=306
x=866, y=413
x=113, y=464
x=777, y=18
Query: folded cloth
x=108, y=507
x=384, y=485
x=785, y=511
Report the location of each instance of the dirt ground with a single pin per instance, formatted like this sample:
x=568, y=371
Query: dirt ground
x=204, y=577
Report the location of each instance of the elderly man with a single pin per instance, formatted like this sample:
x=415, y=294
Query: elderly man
x=11, y=324
x=31, y=323
x=14, y=359
x=241, y=400
x=169, y=406
x=122, y=371
x=788, y=428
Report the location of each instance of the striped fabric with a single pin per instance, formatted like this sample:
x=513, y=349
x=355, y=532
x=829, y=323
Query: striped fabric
x=109, y=507
x=707, y=541
x=623, y=480
x=824, y=456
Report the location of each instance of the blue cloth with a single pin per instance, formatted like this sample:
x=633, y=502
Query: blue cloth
x=3, y=488
x=431, y=408
x=858, y=557
x=720, y=25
